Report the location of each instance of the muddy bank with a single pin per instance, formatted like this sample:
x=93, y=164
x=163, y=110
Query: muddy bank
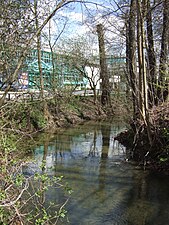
x=155, y=154
x=71, y=114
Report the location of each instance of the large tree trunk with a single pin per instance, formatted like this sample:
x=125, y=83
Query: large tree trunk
x=140, y=59
x=105, y=97
x=143, y=101
x=152, y=76
x=127, y=74
x=163, y=68
x=143, y=95
x=131, y=53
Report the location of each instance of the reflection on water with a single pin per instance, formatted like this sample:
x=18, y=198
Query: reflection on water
x=106, y=189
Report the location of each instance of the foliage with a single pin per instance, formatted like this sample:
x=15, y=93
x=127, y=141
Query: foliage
x=24, y=116
x=37, y=117
x=164, y=155
x=166, y=132
x=23, y=198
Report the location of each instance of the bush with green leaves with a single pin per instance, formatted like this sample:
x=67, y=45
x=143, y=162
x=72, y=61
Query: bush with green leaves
x=24, y=116
x=23, y=198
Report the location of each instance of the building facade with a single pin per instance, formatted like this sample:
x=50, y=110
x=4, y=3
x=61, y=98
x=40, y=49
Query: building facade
x=56, y=71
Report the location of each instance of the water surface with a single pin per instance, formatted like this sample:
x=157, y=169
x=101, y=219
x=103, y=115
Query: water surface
x=107, y=190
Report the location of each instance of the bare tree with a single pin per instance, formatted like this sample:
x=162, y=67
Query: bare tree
x=30, y=39
x=105, y=86
x=16, y=29
x=78, y=53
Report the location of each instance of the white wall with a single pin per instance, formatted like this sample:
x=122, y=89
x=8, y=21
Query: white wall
x=94, y=74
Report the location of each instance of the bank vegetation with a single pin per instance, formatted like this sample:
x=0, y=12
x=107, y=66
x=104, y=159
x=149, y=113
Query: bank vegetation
x=137, y=30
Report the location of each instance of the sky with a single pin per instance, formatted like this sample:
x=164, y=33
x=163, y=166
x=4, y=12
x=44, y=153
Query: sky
x=81, y=19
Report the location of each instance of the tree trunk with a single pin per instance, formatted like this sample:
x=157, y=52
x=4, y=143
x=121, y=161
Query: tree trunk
x=143, y=95
x=140, y=59
x=105, y=96
x=127, y=74
x=143, y=101
x=131, y=54
x=152, y=76
x=39, y=51
x=45, y=109
x=163, y=68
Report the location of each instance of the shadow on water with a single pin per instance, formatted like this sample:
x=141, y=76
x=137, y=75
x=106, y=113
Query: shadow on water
x=106, y=189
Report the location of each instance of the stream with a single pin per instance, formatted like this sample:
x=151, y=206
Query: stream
x=107, y=189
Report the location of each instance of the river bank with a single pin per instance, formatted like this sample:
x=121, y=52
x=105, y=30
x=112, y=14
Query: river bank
x=106, y=189
x=19, y=122
x=27, y=118
x=154, y=155
x=48, y=115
